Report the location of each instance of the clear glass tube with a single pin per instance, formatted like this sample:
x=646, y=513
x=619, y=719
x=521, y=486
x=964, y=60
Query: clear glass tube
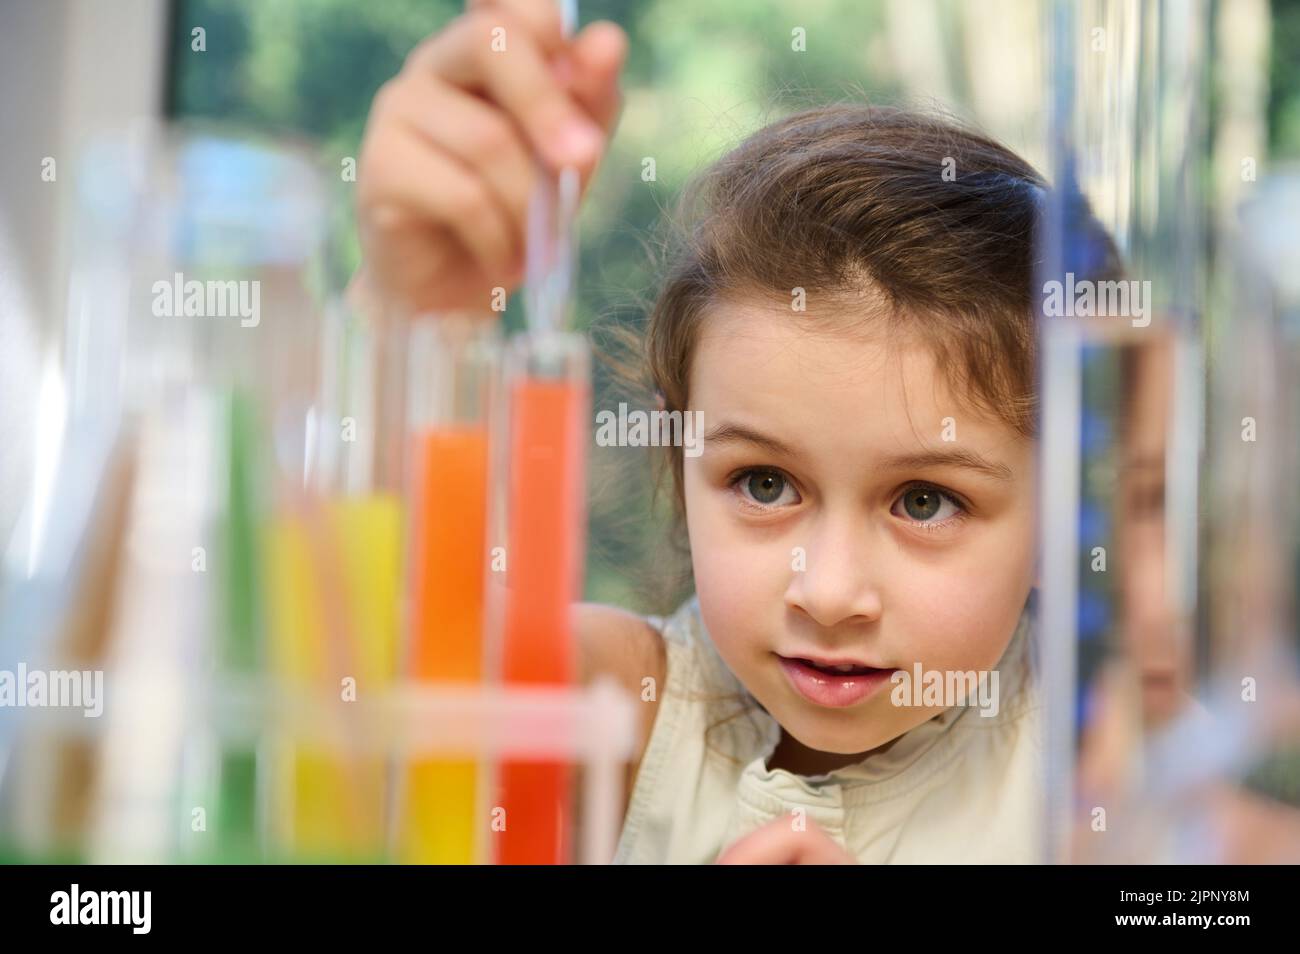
x=454, y=361
x=540, y=480
x=1122, y=279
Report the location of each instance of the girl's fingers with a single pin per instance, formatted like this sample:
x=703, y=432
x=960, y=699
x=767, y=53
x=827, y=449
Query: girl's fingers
x=403, y=179
x=541, y=17
x=509, y=69
x=586, y=64
x=778, y=843
x=767, y=846
x=481, y=138
x=597, y=56
x=449, y=161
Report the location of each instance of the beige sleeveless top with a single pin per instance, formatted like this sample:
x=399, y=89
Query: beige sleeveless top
x=961, y=787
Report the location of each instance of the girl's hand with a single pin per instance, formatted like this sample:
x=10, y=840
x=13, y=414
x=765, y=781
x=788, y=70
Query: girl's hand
x=447, y=163
x=778, y=843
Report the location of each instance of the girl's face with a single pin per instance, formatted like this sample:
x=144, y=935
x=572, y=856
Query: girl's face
x=849, y=508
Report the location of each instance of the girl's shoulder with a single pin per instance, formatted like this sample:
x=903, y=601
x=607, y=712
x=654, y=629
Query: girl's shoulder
x=661, y=661
x=693, y=667
x=615, y=642
x=628, y=648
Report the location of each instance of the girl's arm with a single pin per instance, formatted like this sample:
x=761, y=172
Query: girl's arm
x=615, y=643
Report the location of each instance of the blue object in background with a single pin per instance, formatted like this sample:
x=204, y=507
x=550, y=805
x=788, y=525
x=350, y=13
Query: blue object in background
x=1095, y=433
x=1094, y=527
x=1094, y=615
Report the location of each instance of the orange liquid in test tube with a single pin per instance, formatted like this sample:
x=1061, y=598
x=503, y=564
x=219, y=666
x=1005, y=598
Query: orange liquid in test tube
x=449, y=554
x=446, y=626
x=544, y=548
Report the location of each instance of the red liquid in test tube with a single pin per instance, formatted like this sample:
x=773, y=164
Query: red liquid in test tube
x=549, y=397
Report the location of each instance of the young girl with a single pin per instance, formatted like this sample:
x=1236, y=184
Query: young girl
x=850, y=311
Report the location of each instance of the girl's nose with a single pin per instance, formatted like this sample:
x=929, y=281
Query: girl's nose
x=834, y=583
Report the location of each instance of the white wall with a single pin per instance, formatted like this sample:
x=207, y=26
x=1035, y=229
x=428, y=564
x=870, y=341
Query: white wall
x=69, y=69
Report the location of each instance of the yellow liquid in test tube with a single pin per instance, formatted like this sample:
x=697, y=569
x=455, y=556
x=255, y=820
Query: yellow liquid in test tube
x=333, y=588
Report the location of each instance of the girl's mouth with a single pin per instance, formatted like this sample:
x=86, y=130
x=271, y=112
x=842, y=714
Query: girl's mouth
x=833, y=686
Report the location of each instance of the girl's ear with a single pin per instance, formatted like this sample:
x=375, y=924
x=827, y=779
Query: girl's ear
x=660, y=400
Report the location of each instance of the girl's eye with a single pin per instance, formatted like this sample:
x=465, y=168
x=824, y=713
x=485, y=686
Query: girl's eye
x=767, y=488
x=927, y=505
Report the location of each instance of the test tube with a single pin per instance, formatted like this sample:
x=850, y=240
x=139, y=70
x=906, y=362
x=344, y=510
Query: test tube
x=334, y=555
x=240, y=643
x=548, y=395
x=1120, y=414
x=453, y=363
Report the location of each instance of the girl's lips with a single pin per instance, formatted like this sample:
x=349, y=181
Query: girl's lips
x=832, y=689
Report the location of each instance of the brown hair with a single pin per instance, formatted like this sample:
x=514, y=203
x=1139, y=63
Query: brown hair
x=928, y=223
x=919, y=214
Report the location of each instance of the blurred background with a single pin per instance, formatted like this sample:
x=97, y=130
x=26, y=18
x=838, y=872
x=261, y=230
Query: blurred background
x=218, y=134
x=698, y=80
x=699, y=77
